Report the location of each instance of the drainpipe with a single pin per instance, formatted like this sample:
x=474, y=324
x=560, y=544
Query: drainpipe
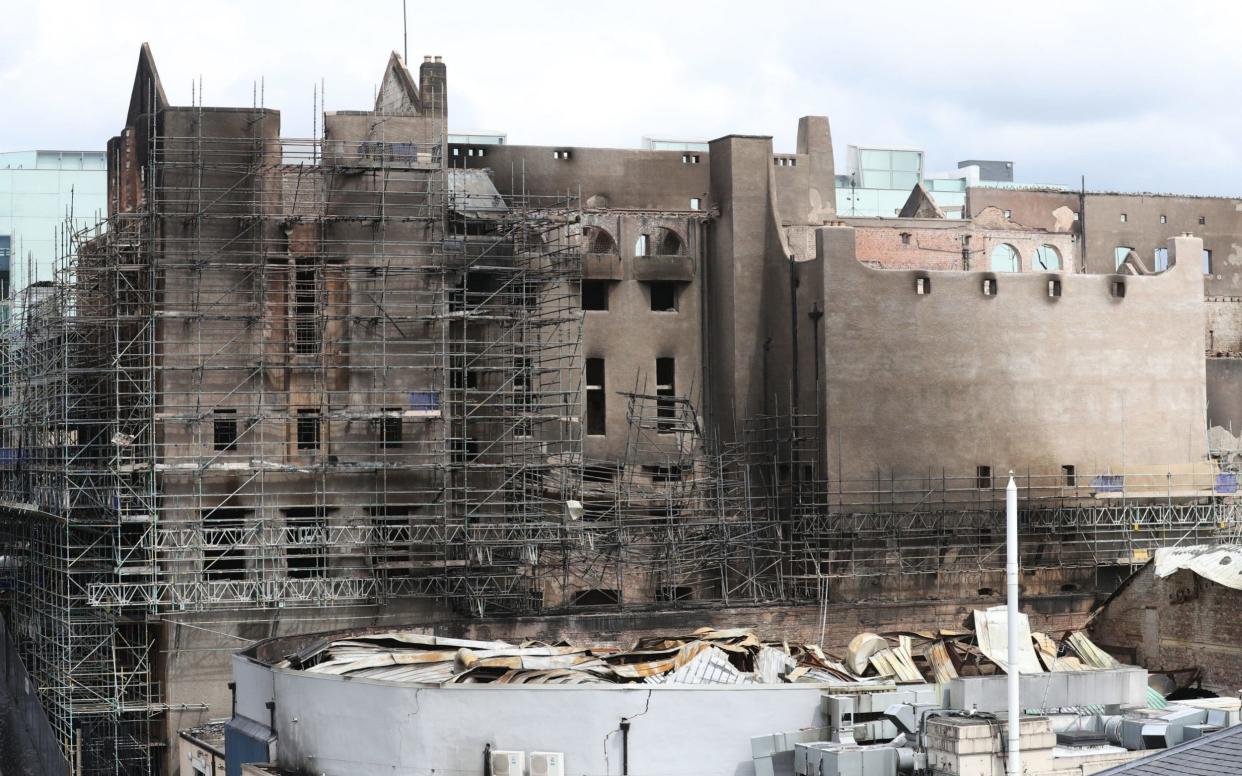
x=625, y=747
x=793, y=336
x=815, y=314
x=1082, y=219
x=1014, y=768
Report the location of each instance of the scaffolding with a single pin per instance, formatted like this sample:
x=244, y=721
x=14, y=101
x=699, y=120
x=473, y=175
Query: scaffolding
x=325, y=372
x=305, y=373
x=945, y=524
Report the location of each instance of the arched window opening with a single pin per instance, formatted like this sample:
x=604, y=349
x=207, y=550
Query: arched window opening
x=1005, y=259
x=668, y=244
x=1047, y=258
x=598, y=240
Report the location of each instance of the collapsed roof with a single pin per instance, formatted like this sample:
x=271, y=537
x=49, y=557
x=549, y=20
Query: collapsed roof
x=705, y=656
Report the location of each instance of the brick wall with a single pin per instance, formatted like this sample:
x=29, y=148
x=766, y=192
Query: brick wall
x=938, y=246
x=1051, y=614
x=1182, y=621
x=922, y=248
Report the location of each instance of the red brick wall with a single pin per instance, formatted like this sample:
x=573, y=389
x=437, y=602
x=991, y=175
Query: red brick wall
x=940, y=247
x=927, y=248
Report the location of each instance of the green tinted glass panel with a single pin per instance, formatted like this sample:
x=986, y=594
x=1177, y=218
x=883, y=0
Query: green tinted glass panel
x=907, y=161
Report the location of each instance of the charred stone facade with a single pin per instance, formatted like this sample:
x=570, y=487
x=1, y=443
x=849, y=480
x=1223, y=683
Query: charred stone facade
x=378, y=377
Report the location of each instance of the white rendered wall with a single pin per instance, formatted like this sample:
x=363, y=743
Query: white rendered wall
x=338, y=727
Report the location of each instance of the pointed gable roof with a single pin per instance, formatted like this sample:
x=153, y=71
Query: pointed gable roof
x=148, y=94
x=398, y=94
x=921, y=205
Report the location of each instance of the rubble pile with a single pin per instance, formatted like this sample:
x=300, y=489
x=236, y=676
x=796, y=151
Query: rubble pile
x=705, y=656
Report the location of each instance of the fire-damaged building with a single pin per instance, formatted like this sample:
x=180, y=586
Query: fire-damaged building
x=381, y=375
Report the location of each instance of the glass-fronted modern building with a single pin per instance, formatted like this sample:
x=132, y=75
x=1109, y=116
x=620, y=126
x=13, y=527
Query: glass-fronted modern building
x=39, y=190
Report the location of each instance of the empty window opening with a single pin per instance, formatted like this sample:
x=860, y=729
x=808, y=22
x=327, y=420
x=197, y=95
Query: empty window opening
x=596, y=407
x=905, y=238
x=595, y=294
x=673, y=593
x=1119, y=289
x=306, y=550
x=1161, y=262
x=1005, y=258
x=1202, y=220
x=922, y=286
x=1048, y=258
x=989, y=287
x=1008, y=214
x=1207, y=262
x=1054, y=288
x=461, y=378
x=642, y=246
x=983, y=477
x=464, y=450
x=305, y=308
x=696, y=203
x=563, y=153
x=1071, y=479
x=392, y=427
x=1164, y=219
x=308, y=429
x=669, y=243
x=223, y=535
x=596, y=596
x=664, y=473
x=663, y=296
x=224, y=429
x=666, y=413
x=600, y=240
x=1124, y=218
x=1119, y=255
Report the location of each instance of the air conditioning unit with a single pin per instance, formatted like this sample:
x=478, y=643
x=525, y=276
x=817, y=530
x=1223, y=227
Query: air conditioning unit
x=508, y=763
x=547, y=764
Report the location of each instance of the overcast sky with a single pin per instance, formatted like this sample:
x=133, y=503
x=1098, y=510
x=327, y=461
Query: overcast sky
x=1134, y=95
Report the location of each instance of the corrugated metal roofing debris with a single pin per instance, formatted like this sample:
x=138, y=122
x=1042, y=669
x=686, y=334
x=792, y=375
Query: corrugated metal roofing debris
x=1220, y=563
x=710, y=666
x=992, y=630
x=1090, y=654
x=1155, y=700
x=705, y=656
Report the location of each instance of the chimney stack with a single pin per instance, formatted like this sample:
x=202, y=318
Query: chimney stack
x=433, y=87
